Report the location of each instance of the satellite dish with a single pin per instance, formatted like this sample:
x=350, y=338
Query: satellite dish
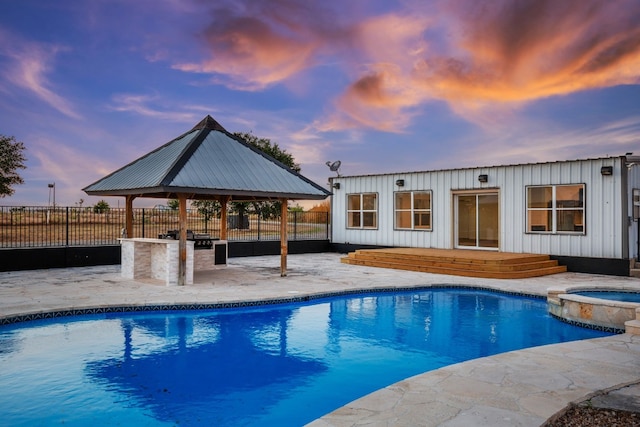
x=334, y=166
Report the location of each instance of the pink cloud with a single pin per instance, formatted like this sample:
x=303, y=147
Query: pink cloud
x=380, y=100
x=521, y=51
x=484, y=59
x=155, y=107
x=384, y=96
x=29, y=66
x=255, y=45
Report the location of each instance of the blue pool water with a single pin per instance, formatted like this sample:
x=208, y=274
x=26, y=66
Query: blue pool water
x=612, y=295
x=282, y=365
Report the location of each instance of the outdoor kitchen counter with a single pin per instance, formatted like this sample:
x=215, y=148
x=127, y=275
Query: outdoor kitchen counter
x=155, y=259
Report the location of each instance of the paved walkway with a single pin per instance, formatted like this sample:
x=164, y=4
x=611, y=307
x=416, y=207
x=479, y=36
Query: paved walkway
x=521, y=388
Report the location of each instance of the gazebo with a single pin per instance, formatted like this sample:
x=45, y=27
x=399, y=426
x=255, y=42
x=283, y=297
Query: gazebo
x=208, y=163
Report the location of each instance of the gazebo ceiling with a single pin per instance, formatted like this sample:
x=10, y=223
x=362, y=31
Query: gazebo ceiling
x=207, y=163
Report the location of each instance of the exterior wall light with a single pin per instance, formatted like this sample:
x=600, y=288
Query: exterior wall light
x=336, y=185
x=483, y=178
x=400, y=182
x=606, y=170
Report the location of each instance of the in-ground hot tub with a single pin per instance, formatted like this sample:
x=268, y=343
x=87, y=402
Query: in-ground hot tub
x=598, y=308
x=614, y=295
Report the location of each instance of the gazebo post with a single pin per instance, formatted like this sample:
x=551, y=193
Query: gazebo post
x=283, y=237
x=128, y=215
x=182, y=245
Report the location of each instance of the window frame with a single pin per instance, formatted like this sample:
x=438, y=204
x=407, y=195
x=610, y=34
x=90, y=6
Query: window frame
x=413, y=211
x=361, y=212
x=555, y=210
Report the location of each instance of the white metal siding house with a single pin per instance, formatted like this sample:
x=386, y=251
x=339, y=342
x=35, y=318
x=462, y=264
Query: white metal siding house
x=580, y=212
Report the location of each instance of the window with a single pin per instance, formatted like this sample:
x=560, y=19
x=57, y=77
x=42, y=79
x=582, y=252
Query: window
x=555, y=209
x=362, y=210
x=413, y=210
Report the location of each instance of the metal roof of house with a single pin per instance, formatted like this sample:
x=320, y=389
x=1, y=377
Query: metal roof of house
x=205, y=163
x=627, y=158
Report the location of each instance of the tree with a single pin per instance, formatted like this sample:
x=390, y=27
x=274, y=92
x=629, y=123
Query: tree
x=266, y=146
x=208, y=209
x=11, y=159
x=324, y=206
x=296, y=208
x=101, y=207
x=173, y=204
x=265, y=210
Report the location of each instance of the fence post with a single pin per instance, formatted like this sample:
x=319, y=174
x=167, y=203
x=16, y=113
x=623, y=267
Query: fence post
x=143, y=223
x=295, y=225
x=259, y=216
x=326, y=221
x=66, y=239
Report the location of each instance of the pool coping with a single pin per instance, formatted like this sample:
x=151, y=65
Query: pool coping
x=552, y=296
x=142, y=308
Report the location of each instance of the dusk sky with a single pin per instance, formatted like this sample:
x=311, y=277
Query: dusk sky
x=383, y=86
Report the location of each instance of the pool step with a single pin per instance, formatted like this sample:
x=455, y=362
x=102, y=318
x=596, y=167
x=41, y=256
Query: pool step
x=634, y=271
x=633, y=326
x=458, y=262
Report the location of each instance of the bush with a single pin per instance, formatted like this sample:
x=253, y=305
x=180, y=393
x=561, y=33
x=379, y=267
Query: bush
x=101, y=207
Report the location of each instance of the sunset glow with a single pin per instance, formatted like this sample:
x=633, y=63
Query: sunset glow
x=382, y=86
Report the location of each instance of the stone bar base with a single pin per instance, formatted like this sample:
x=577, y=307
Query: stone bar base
x=155, y=259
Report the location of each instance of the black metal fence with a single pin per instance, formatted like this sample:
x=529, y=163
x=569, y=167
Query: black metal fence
x=24, y=227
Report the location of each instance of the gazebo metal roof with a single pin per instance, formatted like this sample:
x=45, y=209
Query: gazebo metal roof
x=205, y=163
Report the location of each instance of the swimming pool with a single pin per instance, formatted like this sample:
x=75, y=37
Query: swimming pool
x=282, y=364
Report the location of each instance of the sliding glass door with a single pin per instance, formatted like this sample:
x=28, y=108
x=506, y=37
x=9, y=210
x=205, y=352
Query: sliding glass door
x=476, y=221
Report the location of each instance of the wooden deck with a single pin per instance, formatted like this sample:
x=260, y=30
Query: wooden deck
x=458, y=262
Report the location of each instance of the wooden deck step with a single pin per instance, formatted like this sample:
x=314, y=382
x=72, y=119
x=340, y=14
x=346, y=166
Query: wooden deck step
x=490, y=265
x=469, y=263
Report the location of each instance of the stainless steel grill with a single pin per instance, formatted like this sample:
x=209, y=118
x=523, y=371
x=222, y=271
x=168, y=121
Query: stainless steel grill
x=202, y=241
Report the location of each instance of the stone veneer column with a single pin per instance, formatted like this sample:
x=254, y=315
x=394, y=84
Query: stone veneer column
x=126, y=260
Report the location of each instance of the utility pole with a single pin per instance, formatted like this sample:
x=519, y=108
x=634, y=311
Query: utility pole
x=52, y=187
